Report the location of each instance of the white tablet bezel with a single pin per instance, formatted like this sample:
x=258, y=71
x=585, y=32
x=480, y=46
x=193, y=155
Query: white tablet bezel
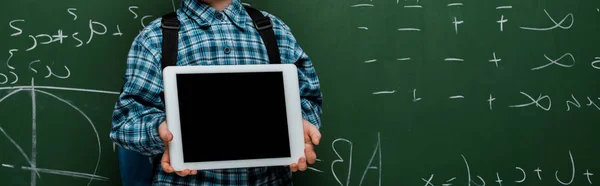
x=293, y=108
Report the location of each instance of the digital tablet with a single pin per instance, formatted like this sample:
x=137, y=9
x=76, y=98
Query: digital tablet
x=233, y=116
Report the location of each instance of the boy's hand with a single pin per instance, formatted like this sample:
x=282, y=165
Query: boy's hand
x=165, y=162
x=312, y=137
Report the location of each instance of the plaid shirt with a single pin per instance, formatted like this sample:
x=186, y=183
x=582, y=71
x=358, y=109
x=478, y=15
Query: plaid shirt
x=207, y=37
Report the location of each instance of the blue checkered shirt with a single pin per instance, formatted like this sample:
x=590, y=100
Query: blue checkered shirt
x=207, y=37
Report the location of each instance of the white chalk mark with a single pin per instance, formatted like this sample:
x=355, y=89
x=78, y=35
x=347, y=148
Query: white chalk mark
x=409, y=29
x=5, y=79
x=341, y=160
x=62, y=88
x=457, y=97
x=2, y=99
x=451, y=179
x=556, y=25
x=501, y=22
x=454, y=59
x=363, y=28
x=247, y=4
x=456, y=23
x=413, y=6
x=588, y=174
x=384, y=92
x=318, y=160
x=492, y=99
x=362, y=5
x=483, y=181
x=572, y=173
x=19, y=31
x=78, y=40
x=524, y=175
x=70, y=10
x=59, y=37
x=576, y=103
x=118, y=33
x=468, y=170
x=535, y=101
x=592, y=103
x=67, y=173
x=143, y=18
x=538, y=171
x=428, y=181
x=377, y=150
x=173, y=3
x=89, y=121
x=31, y=63
x=50, y=73
x=50, y=39
x=498, y=180
x=403, y=59
x=131, y=10
x=8, y=166
x=371, y=61
x=415, y=99
x=34, y=43
x=557, y=62
x=13, y=141
x=92, y=31
x=33, y=134
x=495, y=60
x=503, y=7
x=16, y=77
x=455, y=4
x=114, y=147
x=596, y=60
x=315, y=169
x=598, y=9
x=9, y=57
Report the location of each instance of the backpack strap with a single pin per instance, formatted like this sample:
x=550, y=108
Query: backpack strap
x=170, y=33
x=264, y=25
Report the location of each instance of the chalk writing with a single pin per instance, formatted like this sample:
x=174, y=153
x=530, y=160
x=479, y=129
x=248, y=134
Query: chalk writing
x=536, y=102
x=495, y=60
x=556, y=24
x=596, y=61
x=556, y=62
x=19, y=31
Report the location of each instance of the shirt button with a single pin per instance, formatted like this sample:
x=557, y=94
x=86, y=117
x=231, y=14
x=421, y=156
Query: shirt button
x=219, y=16
x=227, y=50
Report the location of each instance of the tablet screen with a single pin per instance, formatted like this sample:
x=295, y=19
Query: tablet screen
x=232, y=116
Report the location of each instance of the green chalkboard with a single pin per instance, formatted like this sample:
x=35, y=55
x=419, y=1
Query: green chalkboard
x=416, y=92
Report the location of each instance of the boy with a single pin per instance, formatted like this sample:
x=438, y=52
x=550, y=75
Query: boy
x=212, y=32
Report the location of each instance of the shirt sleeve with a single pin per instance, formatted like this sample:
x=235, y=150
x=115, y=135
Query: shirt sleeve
x=139, y=109
x=311, y=96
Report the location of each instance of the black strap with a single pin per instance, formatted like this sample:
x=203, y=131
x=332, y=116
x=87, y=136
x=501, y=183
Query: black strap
x=170, y=31
x=264, y=25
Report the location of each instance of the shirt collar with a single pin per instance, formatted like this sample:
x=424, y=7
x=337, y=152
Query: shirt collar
x=206, y=15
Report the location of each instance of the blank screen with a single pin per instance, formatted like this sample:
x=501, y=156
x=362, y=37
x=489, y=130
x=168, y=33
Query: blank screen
x=232, y=116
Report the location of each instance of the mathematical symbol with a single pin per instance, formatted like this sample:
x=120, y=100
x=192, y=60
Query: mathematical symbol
x=502, y=21
x=59, y=37
x=495, y=60
x=556, y=25
x=538, y=170
x=557, y=62
x=428, y=182
x=456, y=23
x=492, y=99
x=576, y=103
x=415, y=99
x=524, y=175
x=499, y=181
x=588, y=174
x=597, y=60
x=536, y=102
x=592, y=103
